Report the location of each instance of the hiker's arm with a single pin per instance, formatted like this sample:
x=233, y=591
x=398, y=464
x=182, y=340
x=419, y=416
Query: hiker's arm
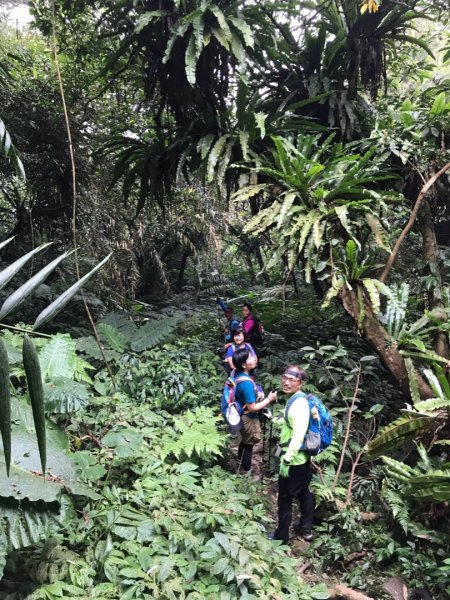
x=257, y=406
x=221, y=303
x=299, y=418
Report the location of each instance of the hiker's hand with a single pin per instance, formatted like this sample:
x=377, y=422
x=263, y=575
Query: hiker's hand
x=284, y=467
x=273, y=396
x=267, y=413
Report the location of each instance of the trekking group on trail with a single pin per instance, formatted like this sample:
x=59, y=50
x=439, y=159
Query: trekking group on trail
x=306, y=426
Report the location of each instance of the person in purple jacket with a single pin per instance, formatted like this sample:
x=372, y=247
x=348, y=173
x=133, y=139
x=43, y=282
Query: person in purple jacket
x=248, y=321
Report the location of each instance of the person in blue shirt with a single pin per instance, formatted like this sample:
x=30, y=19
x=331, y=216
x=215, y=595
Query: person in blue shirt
x=246, y=396
x=232, y=320
x=237, y=344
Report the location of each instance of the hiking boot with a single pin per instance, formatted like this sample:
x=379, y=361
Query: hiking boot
x=305, y=534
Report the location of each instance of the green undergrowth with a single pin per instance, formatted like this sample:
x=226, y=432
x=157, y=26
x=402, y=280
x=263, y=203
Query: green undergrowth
x=170, y=522
x=166, y=519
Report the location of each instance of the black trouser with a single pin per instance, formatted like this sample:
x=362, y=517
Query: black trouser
x=296, y=485
x=245, y=452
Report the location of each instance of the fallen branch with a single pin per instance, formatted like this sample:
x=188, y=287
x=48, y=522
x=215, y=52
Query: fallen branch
x=342, y=591
x=355, y=556
x=367, y=517
x=411, y=220
x=305, y=566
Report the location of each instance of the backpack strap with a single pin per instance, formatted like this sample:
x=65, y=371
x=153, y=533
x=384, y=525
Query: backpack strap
x=245, y=378
x=290, y=402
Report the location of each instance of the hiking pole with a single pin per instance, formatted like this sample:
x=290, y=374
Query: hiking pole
x=270, y=445
x=263, y=448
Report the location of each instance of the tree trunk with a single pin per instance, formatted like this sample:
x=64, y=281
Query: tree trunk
x=181, y=271
x=431, y=258
x=380, y=340
x=260, y=261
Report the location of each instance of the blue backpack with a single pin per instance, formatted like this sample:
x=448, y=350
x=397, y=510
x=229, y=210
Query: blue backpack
x=320, y=430
x=228, y=404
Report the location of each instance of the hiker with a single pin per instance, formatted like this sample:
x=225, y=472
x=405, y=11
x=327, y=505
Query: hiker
x=237, y=343
x=253, y=327
x=248, y=321
x=232, y=320
x=295, y=466
x=246, y=397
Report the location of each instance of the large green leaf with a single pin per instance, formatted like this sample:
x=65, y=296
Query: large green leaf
x=21, y=527
x=433, y=484
x=25, y=290
x=7, y=274
x=439, y=105
x=65, y=396
x=122, y=322
x=26, y=527
x=127, y=442
x=89, y=346
x=113, y=337
x=397, y=433
x=57, y=305
x=26, y=479
x=58, y=357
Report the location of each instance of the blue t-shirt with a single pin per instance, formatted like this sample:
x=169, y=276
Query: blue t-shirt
x=245, y=393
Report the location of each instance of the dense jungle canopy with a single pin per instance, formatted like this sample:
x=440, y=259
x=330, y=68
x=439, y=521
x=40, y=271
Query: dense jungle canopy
x=164, y=153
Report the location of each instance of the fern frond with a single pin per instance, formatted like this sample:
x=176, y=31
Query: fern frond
x=198, y=435
x=337, y=283
x=413, y=381
x=432, y=405
x=374, y=294
x=58, y=357
x=433, y=484
x=154, y=332
x=403, y=428
x=248, y=192
x=378, y=232
x=434, y=383
x=397, y=505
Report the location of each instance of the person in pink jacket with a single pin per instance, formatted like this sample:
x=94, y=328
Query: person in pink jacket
x=248, y=322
